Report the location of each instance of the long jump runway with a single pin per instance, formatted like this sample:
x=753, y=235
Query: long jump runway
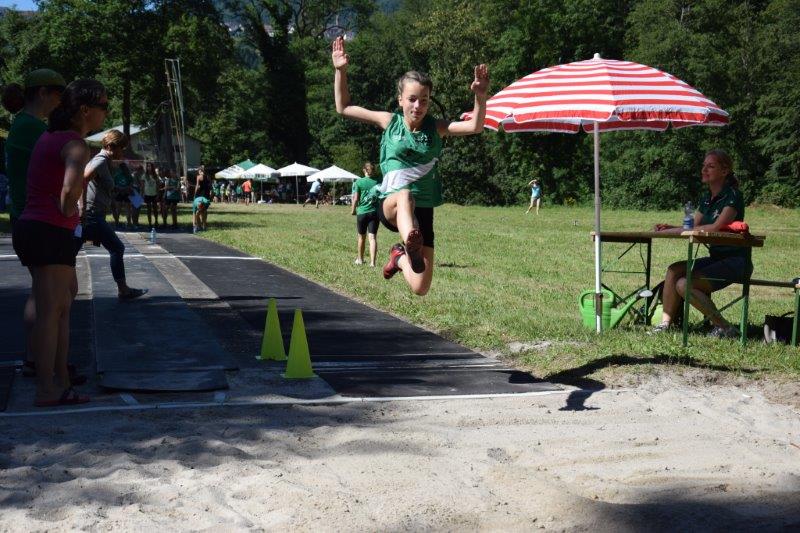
x=359, y=351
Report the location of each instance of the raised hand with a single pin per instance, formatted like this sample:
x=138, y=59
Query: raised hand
x=481, y=82
x=338, y=55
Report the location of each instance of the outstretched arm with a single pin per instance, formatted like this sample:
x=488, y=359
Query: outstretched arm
x=342, y=93
x=480, y=86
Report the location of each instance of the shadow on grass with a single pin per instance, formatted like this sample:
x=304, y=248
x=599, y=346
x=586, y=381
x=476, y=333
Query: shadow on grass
x=578, y=377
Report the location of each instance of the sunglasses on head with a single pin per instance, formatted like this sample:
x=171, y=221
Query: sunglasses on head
x=100, y=105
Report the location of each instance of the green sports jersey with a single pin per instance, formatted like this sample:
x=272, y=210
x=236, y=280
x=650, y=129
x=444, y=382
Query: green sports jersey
x=409, y=161
x=25, y=131
x=711, y=208
x=368, y=195
x=198, y=201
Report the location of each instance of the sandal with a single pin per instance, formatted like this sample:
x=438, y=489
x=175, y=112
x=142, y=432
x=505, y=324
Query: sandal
x=414, y=251
x=132, y=293
x=69, y=397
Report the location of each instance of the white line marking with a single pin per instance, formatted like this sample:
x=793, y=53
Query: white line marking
x=165, y=256
x=289, y=402
x=128, y=399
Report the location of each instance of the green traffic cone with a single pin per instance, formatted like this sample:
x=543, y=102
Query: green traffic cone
x=299, y=364
x=272, y=342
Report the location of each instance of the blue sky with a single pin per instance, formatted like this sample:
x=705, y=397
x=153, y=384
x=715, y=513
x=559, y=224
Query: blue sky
x=21, y=4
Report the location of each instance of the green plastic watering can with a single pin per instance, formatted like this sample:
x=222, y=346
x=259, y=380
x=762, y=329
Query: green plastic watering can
x=611, y=315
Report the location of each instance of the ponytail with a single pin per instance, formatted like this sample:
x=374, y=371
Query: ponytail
x=13, y=98
x=76, y=94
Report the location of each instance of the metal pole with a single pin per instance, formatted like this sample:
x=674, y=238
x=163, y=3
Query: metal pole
x=598, y=296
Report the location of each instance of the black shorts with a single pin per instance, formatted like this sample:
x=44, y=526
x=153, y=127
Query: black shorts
x=424, y=218
x=721, y=272
x=40, y=244
x=172, y=201
x=313, y=195
x=367, y=223
x=150, y=199
x=122, y=197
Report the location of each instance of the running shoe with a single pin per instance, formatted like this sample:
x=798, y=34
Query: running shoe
x=391, y=268
x=358, y=261
x=728, y=332
x=661, y=328
x=414, y=251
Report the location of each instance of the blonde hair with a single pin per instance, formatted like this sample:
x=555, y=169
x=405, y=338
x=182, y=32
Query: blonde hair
x=115, y=138
x=726, y=162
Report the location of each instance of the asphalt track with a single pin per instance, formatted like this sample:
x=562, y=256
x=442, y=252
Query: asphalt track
x=204, y=316
x=358, y=350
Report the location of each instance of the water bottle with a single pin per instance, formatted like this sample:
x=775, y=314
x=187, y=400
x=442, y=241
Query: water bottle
x=688, y=216
x=152, y=235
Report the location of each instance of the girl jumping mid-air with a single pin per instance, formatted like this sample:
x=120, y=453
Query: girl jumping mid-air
x=410, y=149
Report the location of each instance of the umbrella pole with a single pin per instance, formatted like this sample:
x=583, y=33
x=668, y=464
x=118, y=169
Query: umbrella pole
x=598, y=297
x=296, y=191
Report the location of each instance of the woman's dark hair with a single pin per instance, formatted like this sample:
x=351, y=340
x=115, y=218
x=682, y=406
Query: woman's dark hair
x=413, y=75
x=75, y=95
x=15, y=96
x=725, y=161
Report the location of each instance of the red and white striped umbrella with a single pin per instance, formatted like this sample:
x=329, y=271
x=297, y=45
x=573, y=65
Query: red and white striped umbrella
x=600, y=95
x=620, y=95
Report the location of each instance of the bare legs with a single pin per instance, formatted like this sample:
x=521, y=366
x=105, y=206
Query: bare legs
x=675, y=289
x=54, y=287
x=373, y=248
x=399, y=211
x=534, y=202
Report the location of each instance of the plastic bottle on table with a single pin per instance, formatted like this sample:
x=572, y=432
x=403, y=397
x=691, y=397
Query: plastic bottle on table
x=688, y=216
x=152, y=235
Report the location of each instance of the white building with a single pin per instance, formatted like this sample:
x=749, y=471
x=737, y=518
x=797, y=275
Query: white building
x=143, y=142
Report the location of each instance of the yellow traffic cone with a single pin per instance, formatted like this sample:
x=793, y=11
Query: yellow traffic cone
x=299, y=364
x=272, y=342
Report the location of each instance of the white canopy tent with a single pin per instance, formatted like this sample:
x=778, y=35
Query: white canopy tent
x=234, y=172
x=297, y=170
x=333, y=174
x=262, y=174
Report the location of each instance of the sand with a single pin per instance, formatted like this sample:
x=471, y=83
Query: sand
x=667, y=454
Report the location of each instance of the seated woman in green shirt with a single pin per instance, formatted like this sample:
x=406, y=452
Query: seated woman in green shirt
x=719, y=206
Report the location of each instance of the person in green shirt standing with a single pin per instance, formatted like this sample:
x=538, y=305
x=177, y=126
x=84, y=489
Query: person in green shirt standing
x=31, y=104
x=411, y=145
x=365, y=208
x=722, y=204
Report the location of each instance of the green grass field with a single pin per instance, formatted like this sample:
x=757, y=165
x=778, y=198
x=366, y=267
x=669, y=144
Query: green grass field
x=503, y=277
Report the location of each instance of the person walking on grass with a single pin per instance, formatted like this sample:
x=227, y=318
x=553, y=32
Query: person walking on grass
x=43, y=237
x=30, y=103
x=314, y=193
x=721, y=205
x=99, y=198
x=536, y=195
x=365, y=208
x=410, y=149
